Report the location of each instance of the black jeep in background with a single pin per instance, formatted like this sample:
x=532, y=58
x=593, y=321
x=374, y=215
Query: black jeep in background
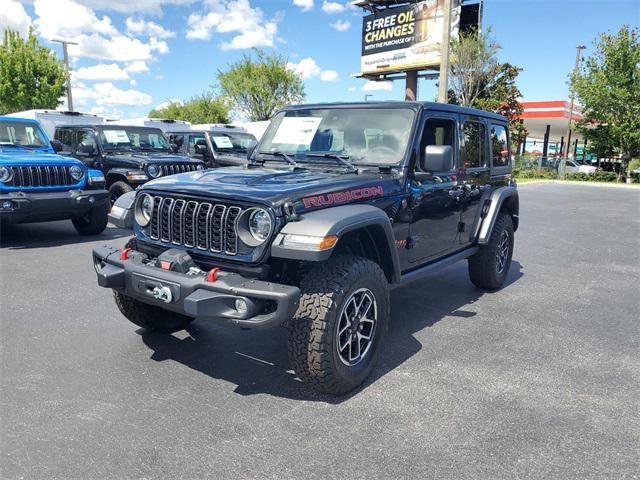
x=128, y=156
x=222, y=146
x=337, y=204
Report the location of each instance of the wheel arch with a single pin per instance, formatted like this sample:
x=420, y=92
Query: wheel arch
x=364, y=230
x=504, y=199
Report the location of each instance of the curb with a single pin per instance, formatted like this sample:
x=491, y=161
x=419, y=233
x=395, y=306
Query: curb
x=571, y=182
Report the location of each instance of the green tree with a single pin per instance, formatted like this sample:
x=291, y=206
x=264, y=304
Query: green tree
x=478, y=80
x=608, y=88
x=257, y=87
x=30, y=75
x=204, y=108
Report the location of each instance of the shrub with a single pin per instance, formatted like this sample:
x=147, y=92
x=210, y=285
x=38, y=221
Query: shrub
x=543, y=174
x=599, y=176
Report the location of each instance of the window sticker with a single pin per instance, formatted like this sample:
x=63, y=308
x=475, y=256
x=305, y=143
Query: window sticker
x=116, y=136
x=222, y=142
x=297, y=130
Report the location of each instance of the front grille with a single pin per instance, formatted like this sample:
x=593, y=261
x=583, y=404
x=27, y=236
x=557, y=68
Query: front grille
x=199, y=225
x=41, y=176
x=178, y=168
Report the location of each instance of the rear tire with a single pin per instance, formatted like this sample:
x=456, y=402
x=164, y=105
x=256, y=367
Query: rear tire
x=93, y=222
x=150, y=317
x=117, y=189
x=327, y=344
x=489, y=267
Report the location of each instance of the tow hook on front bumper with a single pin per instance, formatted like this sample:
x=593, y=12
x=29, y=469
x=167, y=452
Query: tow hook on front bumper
x=163, y=294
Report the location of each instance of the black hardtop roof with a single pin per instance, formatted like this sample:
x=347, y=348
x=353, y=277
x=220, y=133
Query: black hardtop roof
x=433, y=106
x=212, y=130
x=104, y=125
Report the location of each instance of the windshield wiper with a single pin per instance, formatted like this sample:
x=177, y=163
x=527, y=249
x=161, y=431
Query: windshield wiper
x=288, y=158
x=344, y=159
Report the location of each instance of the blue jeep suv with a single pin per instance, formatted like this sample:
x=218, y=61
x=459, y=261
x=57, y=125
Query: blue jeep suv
x=37, y=185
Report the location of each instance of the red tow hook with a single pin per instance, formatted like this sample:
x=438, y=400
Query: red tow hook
x=124, y=254
x=213, y=274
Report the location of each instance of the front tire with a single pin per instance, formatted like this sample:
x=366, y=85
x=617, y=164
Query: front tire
x=489, y=267
x=335, y=337
x=117, y=189
x=150, y=317
x=93, y=222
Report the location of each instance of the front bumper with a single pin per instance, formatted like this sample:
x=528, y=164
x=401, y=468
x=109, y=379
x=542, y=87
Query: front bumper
x=268, y=304
x=23, y=207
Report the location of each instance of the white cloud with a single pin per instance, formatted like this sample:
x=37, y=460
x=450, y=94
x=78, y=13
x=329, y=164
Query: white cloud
x=307, y=68
x=14, y=16
x=341, y=25
x=351, y=89
x=137, y=28
x=328, y=75
x=159, y=77
x=120, y=48
x=159, y=46
x=101, y=71
x=305, y=5
x=133, y=83
x=108, y=94
x=137, y=67
x=66, y=18
x=166, y=103
x=233, y=16
x=372, y=86
x=333, y=7
x=148, y=7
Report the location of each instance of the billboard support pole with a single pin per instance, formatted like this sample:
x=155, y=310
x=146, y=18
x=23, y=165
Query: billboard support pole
x=443, y=84
x=411, y=88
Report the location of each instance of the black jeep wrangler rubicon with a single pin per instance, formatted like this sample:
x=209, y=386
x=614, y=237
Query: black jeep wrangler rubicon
x=128, y=156
x=337, y=204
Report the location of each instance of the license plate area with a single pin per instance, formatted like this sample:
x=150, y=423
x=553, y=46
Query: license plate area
x=153, y=288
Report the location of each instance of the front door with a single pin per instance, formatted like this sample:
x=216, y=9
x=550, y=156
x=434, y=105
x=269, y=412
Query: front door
x=436, y=198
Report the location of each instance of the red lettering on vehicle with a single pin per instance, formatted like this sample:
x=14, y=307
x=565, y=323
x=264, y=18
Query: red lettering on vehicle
x=342, y=197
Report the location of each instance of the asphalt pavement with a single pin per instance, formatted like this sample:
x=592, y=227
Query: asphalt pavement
x=540, y=380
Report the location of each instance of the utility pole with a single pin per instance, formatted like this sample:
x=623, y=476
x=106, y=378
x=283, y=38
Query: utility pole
x=443, y=85
x=576, y=68
x=68, y=75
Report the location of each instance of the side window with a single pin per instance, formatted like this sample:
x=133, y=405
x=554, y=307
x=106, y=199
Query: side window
x=65, y=136
x=86, y=141
x=178, y=141
x=499, y=146
x=474, y=149
x=193, y=141
x=438, y=131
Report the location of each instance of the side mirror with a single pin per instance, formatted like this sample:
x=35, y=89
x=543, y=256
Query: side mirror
x=57, y=146
x=201, y=149
x=437, y=158
x=87, y=150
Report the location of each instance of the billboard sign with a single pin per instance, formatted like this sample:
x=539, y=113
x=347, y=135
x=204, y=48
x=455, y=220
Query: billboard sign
x=405, y=38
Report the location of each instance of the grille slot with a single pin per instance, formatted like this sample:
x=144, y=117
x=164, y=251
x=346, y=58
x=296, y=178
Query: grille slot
x=177, y=168
x=41, y=176
x=200, y=225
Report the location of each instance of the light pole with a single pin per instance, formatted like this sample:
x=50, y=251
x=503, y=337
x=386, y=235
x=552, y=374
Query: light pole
x=443, y=83
x=66, y=65
x=571, y=105
x=367, y=96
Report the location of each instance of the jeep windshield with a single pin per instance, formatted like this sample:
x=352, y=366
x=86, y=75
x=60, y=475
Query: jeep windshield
x=366, y=136
x=138, y=139
x=232, y=141
x=15, y=134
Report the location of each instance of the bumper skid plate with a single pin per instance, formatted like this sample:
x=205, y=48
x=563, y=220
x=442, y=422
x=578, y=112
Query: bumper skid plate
x=262, y=304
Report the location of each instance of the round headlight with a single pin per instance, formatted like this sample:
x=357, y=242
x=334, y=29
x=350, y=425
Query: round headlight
x=260, y=224
x=154, y=171
x=200, y=167
x=144, y=209
x=5, y=174
x=76, y=173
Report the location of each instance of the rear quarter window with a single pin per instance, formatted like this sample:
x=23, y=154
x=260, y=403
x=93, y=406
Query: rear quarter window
x=499, y=145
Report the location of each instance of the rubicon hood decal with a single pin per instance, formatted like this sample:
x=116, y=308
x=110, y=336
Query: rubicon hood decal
x=342, y=197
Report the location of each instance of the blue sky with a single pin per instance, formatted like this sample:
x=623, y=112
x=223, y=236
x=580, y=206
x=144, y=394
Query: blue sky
x=136, y=54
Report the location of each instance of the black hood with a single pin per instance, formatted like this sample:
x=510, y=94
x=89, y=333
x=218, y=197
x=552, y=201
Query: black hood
x=307, y=188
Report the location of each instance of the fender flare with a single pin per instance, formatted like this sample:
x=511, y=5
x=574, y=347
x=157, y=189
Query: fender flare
x=497, y=199
x=337, y=221
x=121, y=214
x=117, y=174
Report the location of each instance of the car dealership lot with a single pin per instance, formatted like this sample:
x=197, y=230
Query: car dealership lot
x=539, y=380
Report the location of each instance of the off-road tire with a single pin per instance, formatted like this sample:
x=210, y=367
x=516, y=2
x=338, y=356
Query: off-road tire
x=152, y=318
x=483, y=266
x=117, y=189
x=312, y=344
x=93, y=222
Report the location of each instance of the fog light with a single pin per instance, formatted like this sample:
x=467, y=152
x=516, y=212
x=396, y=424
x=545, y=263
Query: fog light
x=7, y=205
x=92, y=199
x=241, y=306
